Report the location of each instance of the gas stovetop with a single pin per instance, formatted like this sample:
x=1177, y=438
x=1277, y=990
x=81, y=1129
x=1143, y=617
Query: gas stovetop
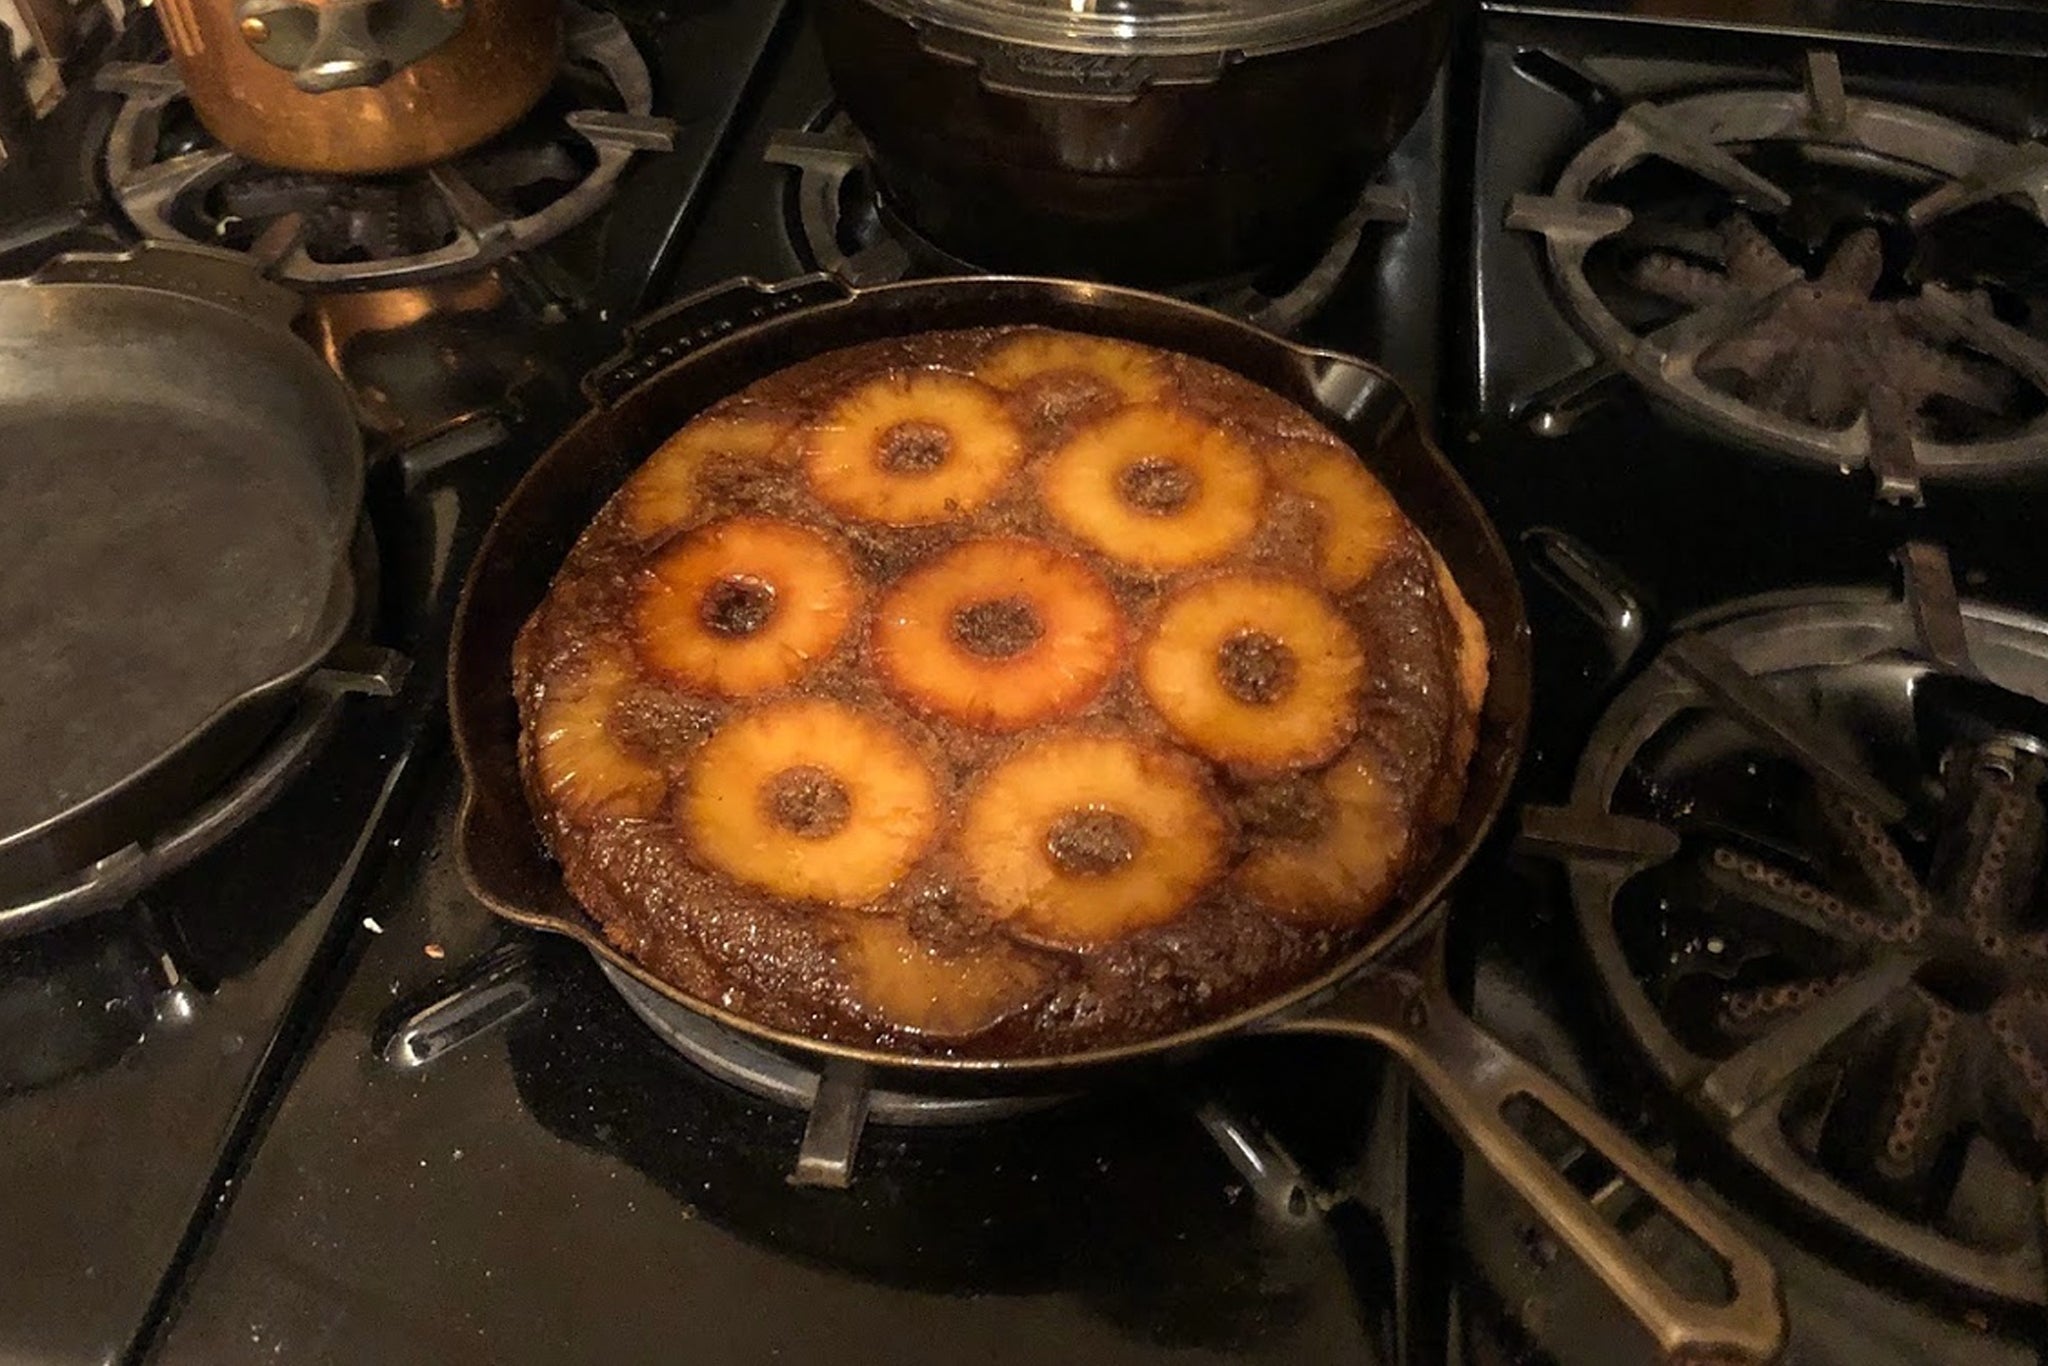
x=1755, y=384
x=303, y=1099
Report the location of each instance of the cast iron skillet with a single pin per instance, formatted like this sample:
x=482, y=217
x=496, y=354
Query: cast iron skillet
x=1391, y=990
x=183, y=479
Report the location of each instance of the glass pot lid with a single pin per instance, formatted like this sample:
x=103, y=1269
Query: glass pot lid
x=1153, y=27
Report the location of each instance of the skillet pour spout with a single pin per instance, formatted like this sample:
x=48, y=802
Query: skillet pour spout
x=1389, y=990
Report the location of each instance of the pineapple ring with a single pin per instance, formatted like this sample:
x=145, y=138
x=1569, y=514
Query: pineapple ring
x=1360, y=522
x=998, y=633
x=910, y=985
x=744, y=605
x=811, y=800
x=1255, y=671
x=1156, y=489
x=911, y=448
x=1130, y=373
x=1346, y=870
x=1083, y=838
x=582, y=767
x=662, y=494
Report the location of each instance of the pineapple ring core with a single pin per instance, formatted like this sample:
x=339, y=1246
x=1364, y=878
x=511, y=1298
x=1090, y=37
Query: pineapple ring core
x=744, y=605
x=1156, y=488
x=913, y=447
x=1255, y=671
x=880, y=802
x=1029, y=806
x=998, y=633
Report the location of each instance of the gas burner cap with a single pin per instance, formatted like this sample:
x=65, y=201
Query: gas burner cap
x=1816, y=274
x=544, y=176
x=1810, y=864
x=849, y=230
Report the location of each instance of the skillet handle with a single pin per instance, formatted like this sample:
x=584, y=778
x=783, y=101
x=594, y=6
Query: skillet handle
x=212, y=274
x=1475, y=1083
x=667, y=335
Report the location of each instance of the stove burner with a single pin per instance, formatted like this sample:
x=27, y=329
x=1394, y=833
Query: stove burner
x=1847, y=281
x=1829, y=352
x=839, y=1103
x=541, y=178
x=1856, y=999
x=845, y=227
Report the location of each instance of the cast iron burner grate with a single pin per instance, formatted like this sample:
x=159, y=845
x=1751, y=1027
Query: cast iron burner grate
x=537, y=180
x=843, y=225
x=841, y=1100
x=1856, y=283
x=1808, y=861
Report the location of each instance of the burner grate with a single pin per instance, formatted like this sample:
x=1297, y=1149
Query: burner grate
x=840, y=1102
x=1856, y=1002
x=1833, y=278
x=552, y=171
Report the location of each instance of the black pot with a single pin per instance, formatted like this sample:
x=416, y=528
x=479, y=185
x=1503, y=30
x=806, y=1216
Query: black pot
x=1163, y=165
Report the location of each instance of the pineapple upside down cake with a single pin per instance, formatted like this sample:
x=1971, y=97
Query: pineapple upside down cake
x=996, y=693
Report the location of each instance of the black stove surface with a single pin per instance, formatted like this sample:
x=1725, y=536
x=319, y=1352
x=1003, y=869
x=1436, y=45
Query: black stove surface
x=142, y=1041
x=553, y=1184
x=307, y=1101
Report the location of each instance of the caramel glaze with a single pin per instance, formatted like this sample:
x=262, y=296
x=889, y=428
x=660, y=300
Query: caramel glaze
x=788, y=965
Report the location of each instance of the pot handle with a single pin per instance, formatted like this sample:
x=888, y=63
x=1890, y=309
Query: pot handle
x=1474, y=1083
x=667, y=335
x=1096, y=77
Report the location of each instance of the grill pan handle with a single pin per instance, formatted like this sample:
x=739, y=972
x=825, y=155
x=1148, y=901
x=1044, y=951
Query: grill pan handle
x=664, y=337
x=1479, y=1088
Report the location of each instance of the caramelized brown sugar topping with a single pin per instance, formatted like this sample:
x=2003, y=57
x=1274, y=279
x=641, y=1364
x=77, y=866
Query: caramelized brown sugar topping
x=996, y=693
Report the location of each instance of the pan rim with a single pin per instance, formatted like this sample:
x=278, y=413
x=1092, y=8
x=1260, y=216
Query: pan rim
x=1397, y=925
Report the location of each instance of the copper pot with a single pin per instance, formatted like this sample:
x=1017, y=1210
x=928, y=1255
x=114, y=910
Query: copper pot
x=361, y=86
